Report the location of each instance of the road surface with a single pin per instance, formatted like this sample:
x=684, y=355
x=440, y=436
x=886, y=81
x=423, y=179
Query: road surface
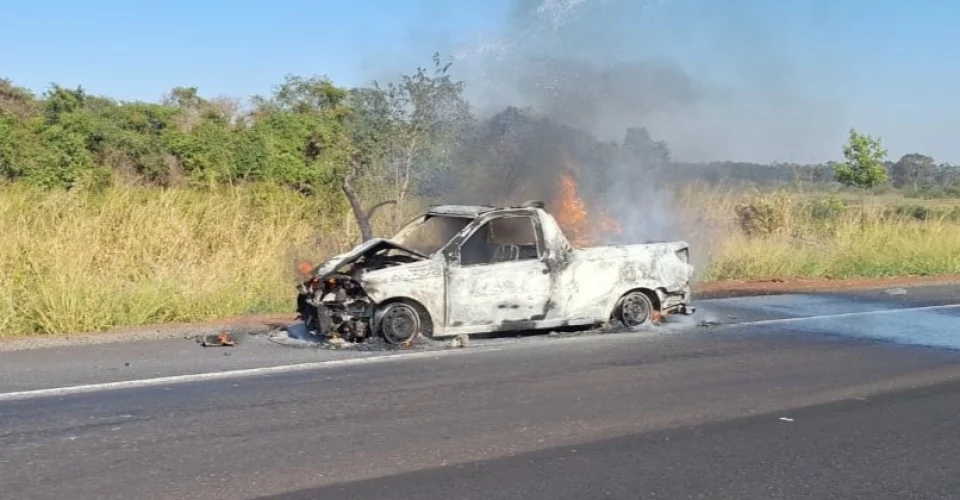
x=846, y=395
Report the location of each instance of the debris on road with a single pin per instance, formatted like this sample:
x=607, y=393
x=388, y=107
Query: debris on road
x=297, y=335
x=786, y=419
x=221, y=339
x=460, y=341
x=895, y=291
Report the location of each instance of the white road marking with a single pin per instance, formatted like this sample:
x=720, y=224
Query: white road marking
x=839, y=315
x=228, y=374
x=268, y=370
x=374, y=359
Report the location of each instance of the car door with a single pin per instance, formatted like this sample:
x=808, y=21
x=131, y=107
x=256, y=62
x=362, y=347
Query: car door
x=498, y=278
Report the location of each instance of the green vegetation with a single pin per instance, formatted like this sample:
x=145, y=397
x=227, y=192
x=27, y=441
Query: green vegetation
x=309, y=136
x=124, y=213
x=864, y=167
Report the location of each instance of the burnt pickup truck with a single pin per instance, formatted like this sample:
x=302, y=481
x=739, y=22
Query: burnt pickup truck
x=460, y=270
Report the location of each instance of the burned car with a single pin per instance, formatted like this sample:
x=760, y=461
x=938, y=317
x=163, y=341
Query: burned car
x=460, y=270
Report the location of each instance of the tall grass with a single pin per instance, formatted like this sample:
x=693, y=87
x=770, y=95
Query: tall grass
x=823, y=237
x=128, y=256
x=80, y=261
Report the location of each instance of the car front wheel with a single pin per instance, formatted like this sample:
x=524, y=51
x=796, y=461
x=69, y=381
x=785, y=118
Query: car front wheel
x=400, y=323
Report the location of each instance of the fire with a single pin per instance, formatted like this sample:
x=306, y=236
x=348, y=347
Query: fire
x=571, y=212
x=607, y=224
x=304, y=267
x=575, y=219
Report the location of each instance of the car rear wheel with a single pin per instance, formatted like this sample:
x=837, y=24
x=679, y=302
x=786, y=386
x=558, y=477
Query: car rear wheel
x=635, y=310
x=400, y=323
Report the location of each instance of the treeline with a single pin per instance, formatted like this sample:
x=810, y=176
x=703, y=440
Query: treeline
x=915, y=173
x=416, y=136
x=360, y=147
x=309, y=135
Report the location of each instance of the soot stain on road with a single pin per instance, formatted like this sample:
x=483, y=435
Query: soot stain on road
x=297, y=336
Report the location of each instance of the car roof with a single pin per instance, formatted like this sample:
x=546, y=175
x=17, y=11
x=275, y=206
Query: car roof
x=460, y=210
x=474, y=211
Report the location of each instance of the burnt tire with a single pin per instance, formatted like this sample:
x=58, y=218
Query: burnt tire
x=400, y=323
x=634, y=311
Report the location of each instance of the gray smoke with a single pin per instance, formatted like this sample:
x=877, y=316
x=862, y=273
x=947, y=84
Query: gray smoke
x=598, y=84
x=710, y=78
x=555, y=64
x=705, y=77
x=605, y=100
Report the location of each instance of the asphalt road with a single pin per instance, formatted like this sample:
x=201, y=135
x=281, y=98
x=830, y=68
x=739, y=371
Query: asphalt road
x=851, y=395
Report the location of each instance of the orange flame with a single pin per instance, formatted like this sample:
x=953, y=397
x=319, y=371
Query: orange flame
x=576, y=220
x=607, y=224
x=305, y=268
x=571, y=212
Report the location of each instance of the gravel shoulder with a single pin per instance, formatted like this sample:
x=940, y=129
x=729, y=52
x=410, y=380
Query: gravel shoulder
x=261, y=323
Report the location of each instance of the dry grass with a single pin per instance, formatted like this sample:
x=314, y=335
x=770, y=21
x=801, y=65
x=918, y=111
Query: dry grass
x=84, y=262
x=821, y=238
x=73, y=262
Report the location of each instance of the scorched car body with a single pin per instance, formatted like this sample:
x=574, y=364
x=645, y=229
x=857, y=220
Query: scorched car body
x=464, y=269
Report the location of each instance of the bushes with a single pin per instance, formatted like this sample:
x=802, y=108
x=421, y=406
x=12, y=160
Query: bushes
x=934, y=192
x=924, y=213
x=67, y=138
x=827, y=208
x=765, y=214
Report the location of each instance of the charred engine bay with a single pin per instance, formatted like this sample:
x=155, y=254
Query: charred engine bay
x=333, y=303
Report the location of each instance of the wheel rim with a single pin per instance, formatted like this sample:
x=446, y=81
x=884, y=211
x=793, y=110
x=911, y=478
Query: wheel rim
x=400, y=323
x=635, y=310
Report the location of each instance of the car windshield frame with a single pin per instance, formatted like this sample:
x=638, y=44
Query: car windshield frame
x=410, y=229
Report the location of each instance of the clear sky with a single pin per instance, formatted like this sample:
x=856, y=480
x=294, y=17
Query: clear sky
x=783, y=79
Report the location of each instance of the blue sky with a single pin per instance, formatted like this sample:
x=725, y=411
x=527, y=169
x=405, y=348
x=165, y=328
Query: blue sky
x=138, y=50
x=797, y=72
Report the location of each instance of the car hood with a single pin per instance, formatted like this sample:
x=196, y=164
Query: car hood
x=335, y=263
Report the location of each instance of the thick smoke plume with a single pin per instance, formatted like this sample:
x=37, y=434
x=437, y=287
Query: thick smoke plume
x=713, y=79
x=611, y=93
x=557, y=104
x=614, y=92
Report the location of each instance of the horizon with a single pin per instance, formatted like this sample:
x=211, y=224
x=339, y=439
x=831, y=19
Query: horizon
x=734, y=82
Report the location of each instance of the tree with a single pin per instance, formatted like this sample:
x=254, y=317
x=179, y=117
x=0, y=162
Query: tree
x=913, y=170
x=641, y=149
x=426, y=114
x=16, y=102
x=864, y=168
x=947, y=175
x=59, y=101
x=817, y=173
x=405, y=132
